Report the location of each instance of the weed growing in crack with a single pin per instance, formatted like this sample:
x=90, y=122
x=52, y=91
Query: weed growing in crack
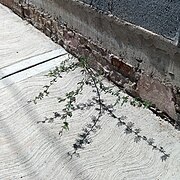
x=69, y=100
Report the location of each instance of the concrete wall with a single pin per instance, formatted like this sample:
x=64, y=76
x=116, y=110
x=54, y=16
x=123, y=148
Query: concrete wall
x=159, y=16
x=146, y=64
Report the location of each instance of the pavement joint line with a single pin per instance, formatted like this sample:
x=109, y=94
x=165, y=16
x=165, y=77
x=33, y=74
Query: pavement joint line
x=30, y=72
x=30, y=66
x=30, y=63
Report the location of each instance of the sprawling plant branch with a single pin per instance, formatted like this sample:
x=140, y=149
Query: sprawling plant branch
x=129, y=129
x=92, y=79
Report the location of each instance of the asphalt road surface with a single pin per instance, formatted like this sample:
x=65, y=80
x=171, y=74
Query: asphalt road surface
x=159, y=16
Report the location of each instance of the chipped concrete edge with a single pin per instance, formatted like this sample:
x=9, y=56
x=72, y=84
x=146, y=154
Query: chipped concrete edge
x=145, y=64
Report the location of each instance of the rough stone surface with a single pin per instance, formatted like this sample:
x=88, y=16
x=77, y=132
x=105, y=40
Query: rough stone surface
x=161, y=95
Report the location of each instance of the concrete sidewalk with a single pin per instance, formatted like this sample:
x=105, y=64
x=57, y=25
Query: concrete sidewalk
x=31, y=150
x=19, y=40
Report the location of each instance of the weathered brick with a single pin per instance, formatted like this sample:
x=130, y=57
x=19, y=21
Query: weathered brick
x=31, y=11
x=97, y=48
x=158, y=94
x=70, y=34
x=83, y=51
x=26, y=12
x=17, y=8
x=82, y=39
x=47, y=32
x=123, y=68
x=54, y=26
x=48, y=25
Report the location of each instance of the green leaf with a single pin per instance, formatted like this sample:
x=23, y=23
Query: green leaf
x=61, y=100
x=69, y=114
x=66, y=125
